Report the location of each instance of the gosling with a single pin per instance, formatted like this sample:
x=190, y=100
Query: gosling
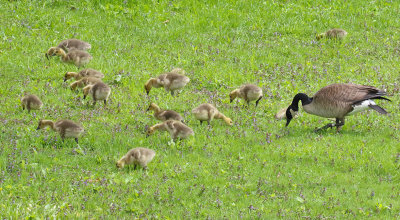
x=83, y=73
x=69, y=45
x=137, y=156
x=31, y=102
x=164, y=115
x=84, y=82
x=99, y=91
x=248, y=92
x=77, y=57
x=208, y=112
x=176, y=129
x=66, y=128
x=335, y=33
x=170, y=82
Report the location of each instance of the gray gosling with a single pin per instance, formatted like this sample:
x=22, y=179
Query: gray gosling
x=84, y=82
x=170, y=82
x=77, y=57
x=31, y=102
x=178, y=71
x=164, y=115
x=83, y=73
x=176, y=129
x=337, y=101
x=69, y=45
x=66, y=128
x=335, y=33
x=208, y=112
x=136, y=156
x=248, y=92
x=100, y=91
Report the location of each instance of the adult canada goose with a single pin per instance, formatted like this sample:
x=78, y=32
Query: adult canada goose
x=176, y=129
x=99, y=91
x=164, y=115
x=335, y=33
x=83, y=73
x=137, y=156
x=66, y=128
x=207, y=112
x=77, y=57
x=248, y=92
x=337, y=101
x=67, y=45
x=170, y=82
x=31, y=102
x=84, y=82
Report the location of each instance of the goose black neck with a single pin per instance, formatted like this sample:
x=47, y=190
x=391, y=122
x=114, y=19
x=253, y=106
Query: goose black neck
x=300, y=97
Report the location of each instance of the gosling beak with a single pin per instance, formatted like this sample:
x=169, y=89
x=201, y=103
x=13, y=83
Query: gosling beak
x=147, y=109
x=84, y=96
x=65, y=79
x=47, y=56
x=147, y=92
x=147, y=135
x=231, y=101
x=38, y=128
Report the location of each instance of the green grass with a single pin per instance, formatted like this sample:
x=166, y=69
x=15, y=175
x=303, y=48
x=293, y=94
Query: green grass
x=254, y=169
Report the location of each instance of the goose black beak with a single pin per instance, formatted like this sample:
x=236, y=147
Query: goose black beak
x=38, y=128
x=65, y=79
x=231, y=101
x=47, y=56
x=84, y=97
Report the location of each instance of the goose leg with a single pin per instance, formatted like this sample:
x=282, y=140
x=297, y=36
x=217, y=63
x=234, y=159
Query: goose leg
x=330, y=125
x=258, y=100
x=339, y=124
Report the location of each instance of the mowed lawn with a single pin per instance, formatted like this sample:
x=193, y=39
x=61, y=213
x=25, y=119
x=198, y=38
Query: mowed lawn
x=256, y=168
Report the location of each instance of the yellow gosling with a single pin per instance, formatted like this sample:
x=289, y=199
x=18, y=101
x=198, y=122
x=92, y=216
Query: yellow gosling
x=83, y=73
x=170, y=82
x=66, y=128
x=248, y=92
x=175, y=128
x=31, y=102
x=77, y=57
x=99, y=91
x=137, y=156
x=208, y=112
x=164, y=115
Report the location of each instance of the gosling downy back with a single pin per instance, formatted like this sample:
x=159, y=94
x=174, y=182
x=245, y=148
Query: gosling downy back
x=248, y=92
x=77, y=57
x=84, y=82
x=164, y=115
x=99, y=91
x=83, y=73
x=335, y=33
x=137, y=156
x=208, y=112
x=74, y=44
x=31, y=102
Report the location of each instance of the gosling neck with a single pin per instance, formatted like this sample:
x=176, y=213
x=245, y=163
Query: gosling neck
x=49, y=123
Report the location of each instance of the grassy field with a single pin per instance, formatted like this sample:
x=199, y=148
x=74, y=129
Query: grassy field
x=255, y=169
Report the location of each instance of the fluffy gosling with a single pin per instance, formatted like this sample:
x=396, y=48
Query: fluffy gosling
x=31, y=102
x=136, y=156
x=208, y=112
x=335, y=33
x=68, y=45
x=66, y=128
x=170, y=82
x=77, y=57
x=84, y=82
x=248, y=92
x=83, y=73
x=176, y=129
x=99, y=91
x=164, y=115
